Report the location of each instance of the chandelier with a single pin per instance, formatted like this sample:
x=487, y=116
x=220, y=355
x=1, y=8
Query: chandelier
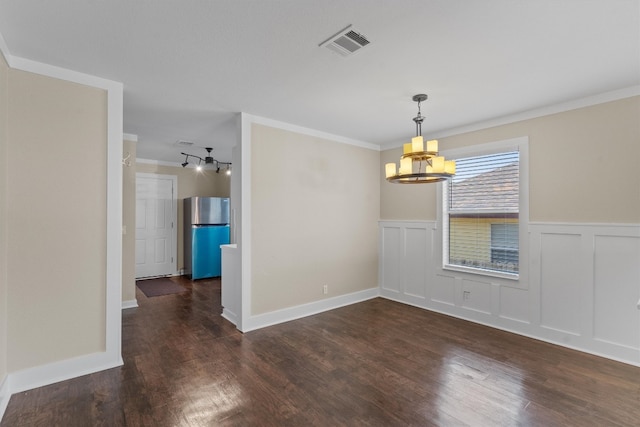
x=208, y=160
x=420, y=164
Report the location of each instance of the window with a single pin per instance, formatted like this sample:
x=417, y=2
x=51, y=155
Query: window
x=504, y=243
x=481, y=215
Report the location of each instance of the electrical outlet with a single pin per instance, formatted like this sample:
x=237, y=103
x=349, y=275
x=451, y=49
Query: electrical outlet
x=325, y=289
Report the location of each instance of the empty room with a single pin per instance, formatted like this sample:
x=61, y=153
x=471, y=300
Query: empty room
x=356, y=212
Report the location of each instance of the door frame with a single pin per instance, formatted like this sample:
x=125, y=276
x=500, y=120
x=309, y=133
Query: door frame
x=174, y=213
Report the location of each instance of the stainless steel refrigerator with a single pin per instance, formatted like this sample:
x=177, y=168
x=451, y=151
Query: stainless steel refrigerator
x=206, y=227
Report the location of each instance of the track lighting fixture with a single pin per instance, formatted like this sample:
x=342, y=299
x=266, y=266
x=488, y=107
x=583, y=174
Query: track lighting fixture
x=208, y=160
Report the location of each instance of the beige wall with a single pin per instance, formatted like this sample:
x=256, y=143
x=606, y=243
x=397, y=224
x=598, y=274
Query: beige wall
x=4, y=123
x=129, y=222
x=56, y=220
x=582, y=166
x=191, y=183
x=315, y=209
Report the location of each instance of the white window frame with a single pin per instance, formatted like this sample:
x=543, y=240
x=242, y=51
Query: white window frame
x=520, y=144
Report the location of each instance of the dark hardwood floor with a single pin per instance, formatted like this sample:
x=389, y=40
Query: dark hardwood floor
x=377, y=363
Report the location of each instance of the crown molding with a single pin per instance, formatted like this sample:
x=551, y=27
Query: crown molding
x=575, y=104
x=161, y=163
x=311, y=132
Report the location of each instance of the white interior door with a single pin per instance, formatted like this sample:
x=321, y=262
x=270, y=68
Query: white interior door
x=155, y=225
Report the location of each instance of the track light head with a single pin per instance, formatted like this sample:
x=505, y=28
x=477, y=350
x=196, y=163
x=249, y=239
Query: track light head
x=184, y=165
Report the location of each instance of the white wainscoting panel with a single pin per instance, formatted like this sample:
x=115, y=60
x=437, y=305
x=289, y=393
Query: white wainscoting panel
x=476, y=295
x=392, y=252
x=581, y=290
x=514, y=304
x=560, y=284
x=616, y=290
x=444, y=290
x=416, y=253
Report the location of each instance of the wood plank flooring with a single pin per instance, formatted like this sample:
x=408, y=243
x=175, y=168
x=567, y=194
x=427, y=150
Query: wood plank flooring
x=377, y=363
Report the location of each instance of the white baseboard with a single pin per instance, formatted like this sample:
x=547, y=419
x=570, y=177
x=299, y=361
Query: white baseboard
x=5, y=395
x=132, y=303
x=230, y=316
x=532, y=332
x=304, y=310
x=51, y=373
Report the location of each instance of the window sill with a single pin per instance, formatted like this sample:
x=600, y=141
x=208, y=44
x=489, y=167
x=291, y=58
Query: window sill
x=481, y=272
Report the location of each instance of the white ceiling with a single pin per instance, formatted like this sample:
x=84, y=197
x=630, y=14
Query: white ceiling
x=188, y=66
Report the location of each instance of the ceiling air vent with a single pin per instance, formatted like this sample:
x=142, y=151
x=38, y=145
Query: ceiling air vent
x=346, y=42
x=184, y=143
